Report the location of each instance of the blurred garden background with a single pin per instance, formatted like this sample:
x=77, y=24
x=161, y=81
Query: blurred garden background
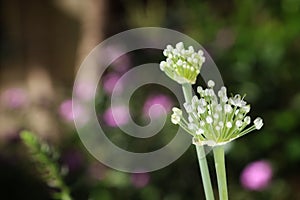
x=255, y=44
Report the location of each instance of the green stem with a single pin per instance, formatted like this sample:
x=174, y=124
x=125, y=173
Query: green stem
x=187, y=91
x=219, y=157
x=204, y=173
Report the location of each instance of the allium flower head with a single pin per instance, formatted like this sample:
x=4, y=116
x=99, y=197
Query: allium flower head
x=215, y=119
x=182, y=65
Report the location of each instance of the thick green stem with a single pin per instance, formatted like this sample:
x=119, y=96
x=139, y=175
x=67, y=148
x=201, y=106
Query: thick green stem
x=204, y=173
x=187, y=91
x=219, y=157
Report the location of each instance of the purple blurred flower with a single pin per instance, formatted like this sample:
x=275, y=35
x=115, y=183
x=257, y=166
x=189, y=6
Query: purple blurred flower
x=140, y=180
x=68, y=114
x=256, y=175
x=163, y=100
x=109, y=82
x=121, y=116
x=120, y=63
x=84, y=91
x=14, y=98
x=65, y=110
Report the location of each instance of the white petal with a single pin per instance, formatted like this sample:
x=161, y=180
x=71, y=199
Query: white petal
x=199, y=131
x=227, y=108
x=258, y=122
x=228, y=124
x=209, y=120
x=211, y=83
x=238, y=123
x=247, y=120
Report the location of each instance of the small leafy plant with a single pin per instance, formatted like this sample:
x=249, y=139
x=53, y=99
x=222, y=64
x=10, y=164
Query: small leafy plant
x=45, y=159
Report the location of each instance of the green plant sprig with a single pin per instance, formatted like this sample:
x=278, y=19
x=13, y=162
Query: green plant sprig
x=45, y=159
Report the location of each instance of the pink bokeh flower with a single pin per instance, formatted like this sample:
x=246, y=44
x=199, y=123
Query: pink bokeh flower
x=140, y=180
x=73, y=112
x=68, y=114
x=14, y=98
x=84, y=91
x=160, y=99
x=65, y=110
x=121, y=62
x=121, y=116
x=109, y=83
x=257, y=175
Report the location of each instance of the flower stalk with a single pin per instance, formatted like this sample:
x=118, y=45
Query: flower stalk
x=204, y=171
x=219, y=158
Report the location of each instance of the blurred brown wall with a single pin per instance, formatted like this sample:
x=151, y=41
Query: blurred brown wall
x=37, y=34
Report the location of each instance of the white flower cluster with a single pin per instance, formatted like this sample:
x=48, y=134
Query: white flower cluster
x=215, y=119
x=182, y=65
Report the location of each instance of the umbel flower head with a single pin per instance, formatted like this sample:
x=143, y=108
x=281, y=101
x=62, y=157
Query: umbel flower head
x=215, y=119
x=182, y=65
